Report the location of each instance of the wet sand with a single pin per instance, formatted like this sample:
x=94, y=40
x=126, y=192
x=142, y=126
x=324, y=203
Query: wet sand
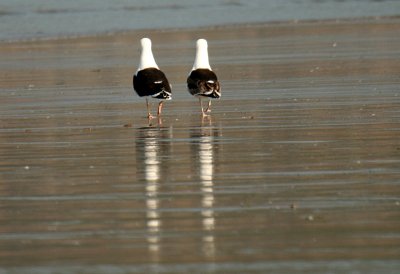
x=296, y=171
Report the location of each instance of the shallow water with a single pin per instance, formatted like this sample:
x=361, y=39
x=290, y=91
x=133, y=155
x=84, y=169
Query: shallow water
x=20, y=19
x=296, y=170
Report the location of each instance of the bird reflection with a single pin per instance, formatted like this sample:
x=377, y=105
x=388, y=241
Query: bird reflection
x=149, y=164
x=205, y=150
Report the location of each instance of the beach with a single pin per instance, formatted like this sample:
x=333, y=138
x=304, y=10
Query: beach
x=296, y=170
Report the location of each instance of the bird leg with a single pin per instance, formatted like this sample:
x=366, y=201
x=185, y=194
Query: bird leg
x=159, y=121
x=148, y=110
x=208, y=109
x=160, y=105
x=203, y=114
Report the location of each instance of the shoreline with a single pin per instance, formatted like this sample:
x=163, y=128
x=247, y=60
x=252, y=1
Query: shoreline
x=305, y=137
x=80, y=61
x=301, y=22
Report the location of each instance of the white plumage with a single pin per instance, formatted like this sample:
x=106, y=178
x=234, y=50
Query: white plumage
x=201, y=60
x=146, y=57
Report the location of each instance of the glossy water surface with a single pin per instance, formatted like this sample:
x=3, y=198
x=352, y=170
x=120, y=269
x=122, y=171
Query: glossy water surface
x=296, y=170
x=21, y=19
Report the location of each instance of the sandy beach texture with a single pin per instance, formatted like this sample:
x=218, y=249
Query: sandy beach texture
x=296, y=171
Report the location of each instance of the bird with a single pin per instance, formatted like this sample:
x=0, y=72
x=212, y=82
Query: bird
x=149, y=80
x=202, y=81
